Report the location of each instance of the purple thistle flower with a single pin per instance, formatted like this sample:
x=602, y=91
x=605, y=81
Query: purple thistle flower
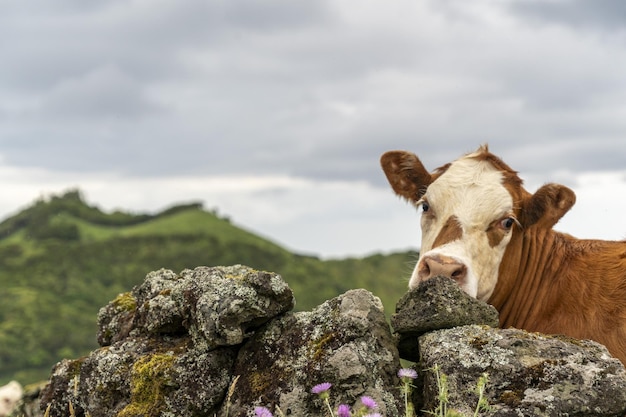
x=262, y=412
x=368, y=402
x=343, y=411
x=407, y=373
x=321, y=388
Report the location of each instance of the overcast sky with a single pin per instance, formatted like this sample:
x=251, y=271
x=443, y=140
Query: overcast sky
x=277, y=111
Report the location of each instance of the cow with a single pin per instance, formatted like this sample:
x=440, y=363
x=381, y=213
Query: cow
x=483, y=229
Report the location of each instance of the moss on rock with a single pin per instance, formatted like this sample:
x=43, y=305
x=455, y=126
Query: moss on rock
x=125, y=301
x=151, y=379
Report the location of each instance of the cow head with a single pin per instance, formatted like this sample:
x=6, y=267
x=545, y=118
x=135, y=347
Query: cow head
x=471, y=210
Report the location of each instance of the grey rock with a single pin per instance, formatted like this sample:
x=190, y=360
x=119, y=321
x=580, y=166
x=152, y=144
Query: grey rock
x=115, y=320
x=226, y=304
x=529, y=374
x=168, y=346
x=216, y=306
x=346, y=341
x=141, y=377
x=438, y=303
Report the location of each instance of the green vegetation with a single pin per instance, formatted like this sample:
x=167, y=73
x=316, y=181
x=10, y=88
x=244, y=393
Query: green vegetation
x=442, y=410
x=61, y=260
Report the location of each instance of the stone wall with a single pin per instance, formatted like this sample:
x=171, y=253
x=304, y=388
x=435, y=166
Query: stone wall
x=221, y=341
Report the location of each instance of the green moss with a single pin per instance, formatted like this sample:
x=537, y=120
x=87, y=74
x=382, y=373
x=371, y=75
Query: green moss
x=234, y=277
x=320, y=345
x=125, y=301
x=239, y=272
x=150, y=379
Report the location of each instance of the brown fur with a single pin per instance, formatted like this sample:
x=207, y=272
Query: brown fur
x=450, y=231
x=410, y=178
x=551, y=282
x=406, y=174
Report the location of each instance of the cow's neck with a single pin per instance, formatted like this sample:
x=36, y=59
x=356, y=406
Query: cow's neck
x=527, y=279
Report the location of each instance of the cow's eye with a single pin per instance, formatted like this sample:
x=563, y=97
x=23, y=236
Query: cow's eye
x=425, y=206
x=507, y=223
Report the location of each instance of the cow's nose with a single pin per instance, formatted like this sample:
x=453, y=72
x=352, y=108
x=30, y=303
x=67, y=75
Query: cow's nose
x=434, y=265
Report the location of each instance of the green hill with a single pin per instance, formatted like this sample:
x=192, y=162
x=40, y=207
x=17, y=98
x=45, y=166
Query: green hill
x=61, y=260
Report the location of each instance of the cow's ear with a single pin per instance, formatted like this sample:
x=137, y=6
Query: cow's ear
x=546, y=207
x=406, y=174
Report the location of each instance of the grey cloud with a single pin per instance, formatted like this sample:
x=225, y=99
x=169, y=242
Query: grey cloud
x=142, y=38
x=298, y=89
x=275, y=14
x=102, y=94
x=604, y=15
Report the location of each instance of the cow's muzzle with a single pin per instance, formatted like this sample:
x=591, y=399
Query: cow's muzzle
x=435, y=265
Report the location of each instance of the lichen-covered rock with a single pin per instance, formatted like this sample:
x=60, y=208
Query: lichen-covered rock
x=346, y=341
x=233, y=301
x=438, y=303
x=168, y=346
x=141, y=377
x=216, y=306
x=529, y=374
x=175, y=344
x=115, y=320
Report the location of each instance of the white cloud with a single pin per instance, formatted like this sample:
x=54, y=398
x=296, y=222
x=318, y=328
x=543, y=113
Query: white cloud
x=600, y=207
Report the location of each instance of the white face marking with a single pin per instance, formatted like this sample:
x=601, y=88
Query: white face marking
x=471, y=190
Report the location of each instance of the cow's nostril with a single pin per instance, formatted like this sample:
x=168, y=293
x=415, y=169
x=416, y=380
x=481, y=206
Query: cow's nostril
x=459, y=273
x=424, y=270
